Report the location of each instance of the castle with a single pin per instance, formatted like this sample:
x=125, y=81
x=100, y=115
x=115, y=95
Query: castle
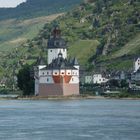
x=61, y=75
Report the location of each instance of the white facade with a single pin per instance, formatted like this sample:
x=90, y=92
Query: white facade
x=53, y=54
x=36, y=86
x=88, y=79
x=137, y=64
x=99, y=79
x=46, y=76
x=95, y=79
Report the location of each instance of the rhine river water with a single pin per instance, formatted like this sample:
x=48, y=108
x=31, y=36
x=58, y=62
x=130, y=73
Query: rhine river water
x=96, y=119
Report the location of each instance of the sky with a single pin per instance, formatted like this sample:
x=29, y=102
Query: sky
x=10, y=3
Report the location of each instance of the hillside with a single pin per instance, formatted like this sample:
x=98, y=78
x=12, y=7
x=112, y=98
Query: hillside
x=99, y=32
x=14, y=32
x=36, y=8
x=115, y=25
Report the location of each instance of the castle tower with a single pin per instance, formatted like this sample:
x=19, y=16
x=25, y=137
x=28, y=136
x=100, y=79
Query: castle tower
x=56, y=45
x=61, y=75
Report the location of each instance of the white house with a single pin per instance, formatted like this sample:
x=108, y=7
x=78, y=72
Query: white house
x=99, y=79
x=135, y=76
x=95, y=79
x=137, y=64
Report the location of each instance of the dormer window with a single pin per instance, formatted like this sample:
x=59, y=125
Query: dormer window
x=56, y=43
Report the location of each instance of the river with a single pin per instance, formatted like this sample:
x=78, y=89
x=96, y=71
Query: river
x=97, y=119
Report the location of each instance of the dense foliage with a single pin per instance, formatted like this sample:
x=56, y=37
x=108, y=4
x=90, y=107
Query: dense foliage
x=114, y=23
x=25, y=80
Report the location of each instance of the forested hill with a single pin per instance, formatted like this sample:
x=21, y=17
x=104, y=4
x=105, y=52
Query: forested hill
x=101, y=32
x=35, y=8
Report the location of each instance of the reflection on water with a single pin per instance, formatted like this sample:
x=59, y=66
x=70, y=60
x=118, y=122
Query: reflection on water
x=70, y=120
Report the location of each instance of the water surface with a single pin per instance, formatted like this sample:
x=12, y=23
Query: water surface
x=70, y=120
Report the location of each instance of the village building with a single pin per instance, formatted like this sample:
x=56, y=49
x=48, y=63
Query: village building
x=88, y=79
x=61, y=75
x=118, y=75
x=95, y=78
x=99, y=79
x=135, y=75
x=137, y=64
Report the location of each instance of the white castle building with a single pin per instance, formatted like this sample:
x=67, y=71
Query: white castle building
x=61, y=75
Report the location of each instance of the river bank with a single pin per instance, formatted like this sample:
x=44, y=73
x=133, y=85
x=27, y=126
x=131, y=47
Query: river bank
x=80, y=97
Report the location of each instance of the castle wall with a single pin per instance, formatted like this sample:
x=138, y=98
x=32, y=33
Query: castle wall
x=58, y=89
x=74, y=80
x=36, y=86
x=46, y=79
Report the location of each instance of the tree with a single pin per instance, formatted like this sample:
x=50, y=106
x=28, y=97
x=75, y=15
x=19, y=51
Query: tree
x=114, y=83
x=124, y=84
x=25, y=81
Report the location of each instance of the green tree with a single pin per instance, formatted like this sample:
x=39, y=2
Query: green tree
x=124, y=84
x=25, y=80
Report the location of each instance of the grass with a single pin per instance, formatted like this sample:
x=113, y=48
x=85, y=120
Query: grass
x=121, y=64
x=83, y=50
x=131, y=47
x=14, y=32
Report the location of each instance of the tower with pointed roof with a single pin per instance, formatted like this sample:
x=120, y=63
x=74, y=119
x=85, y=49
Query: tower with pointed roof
x=60, y=76
x=56, y=45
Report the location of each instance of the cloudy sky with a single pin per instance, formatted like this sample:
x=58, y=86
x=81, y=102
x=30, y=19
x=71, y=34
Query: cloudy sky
x=10, y=3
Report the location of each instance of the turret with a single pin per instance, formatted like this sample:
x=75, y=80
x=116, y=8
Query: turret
x=76, y=64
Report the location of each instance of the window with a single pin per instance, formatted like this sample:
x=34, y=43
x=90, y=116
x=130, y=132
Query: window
x=47, y=73
x=47, y=79
x=56, y=43
x=68, y=73
x=62, y=73
x=55, y=73
x=50, y=50
x=43, y=73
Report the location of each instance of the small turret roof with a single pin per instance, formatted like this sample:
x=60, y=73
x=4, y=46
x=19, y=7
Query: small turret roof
x=75, y=62
x=41, y=61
